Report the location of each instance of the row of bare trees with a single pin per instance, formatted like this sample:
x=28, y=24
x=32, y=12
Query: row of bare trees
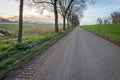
x=70, y=10
x=104, y=20
x=114, y=18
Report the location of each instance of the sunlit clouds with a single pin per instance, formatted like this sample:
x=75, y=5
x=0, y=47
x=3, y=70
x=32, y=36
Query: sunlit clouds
x=11, y=11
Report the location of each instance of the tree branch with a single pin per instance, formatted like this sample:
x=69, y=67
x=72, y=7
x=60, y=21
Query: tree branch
x=42, y=2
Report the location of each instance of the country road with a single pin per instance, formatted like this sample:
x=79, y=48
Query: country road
x=81, y=56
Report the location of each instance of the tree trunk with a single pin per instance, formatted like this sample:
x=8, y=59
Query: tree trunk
x=56, y=18
x=72, y=22
x=20, y=22
x=67, y=23
x=64, y=22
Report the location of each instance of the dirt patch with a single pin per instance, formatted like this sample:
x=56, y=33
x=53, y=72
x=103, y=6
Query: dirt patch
x=5, y=35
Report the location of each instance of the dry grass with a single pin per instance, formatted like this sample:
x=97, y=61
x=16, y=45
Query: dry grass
x=28, y=29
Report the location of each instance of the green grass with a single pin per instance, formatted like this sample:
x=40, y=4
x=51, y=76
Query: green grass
x=9, y=27
x=12, y=56
x=108, y=31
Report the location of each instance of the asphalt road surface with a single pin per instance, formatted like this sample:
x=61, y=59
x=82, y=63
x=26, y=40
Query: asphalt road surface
x=81, y=56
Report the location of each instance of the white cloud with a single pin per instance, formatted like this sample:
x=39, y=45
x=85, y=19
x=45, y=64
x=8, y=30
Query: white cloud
x=86, y=21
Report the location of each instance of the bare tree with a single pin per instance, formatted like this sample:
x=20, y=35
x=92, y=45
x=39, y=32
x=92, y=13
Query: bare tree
x=75, y=20
x=106, y=20
x=20, y=22
x=99, y=20
x=75, y=9
x=68, y=6
x=54, y=6
x=64, y=7
x=115, y=17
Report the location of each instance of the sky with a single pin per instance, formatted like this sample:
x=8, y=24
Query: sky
x=9, y=9
x=101, y=8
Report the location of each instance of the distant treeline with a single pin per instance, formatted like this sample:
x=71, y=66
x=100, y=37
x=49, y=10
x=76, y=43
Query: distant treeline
x=7, y=21
x=113, y=19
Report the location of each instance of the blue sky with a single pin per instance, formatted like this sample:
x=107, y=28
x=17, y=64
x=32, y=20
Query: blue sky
x=101, y=8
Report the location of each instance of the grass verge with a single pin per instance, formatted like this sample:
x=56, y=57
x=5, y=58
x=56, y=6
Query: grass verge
x=13, y=56
x=110, y=32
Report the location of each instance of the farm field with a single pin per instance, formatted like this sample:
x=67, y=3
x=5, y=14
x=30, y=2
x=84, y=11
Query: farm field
x=28, y=29
x=108, y=31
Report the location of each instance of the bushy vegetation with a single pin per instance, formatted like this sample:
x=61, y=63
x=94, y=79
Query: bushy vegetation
x=13, y=55
x=108, y=31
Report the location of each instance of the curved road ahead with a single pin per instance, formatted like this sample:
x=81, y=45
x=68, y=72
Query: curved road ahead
x=81, y=55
